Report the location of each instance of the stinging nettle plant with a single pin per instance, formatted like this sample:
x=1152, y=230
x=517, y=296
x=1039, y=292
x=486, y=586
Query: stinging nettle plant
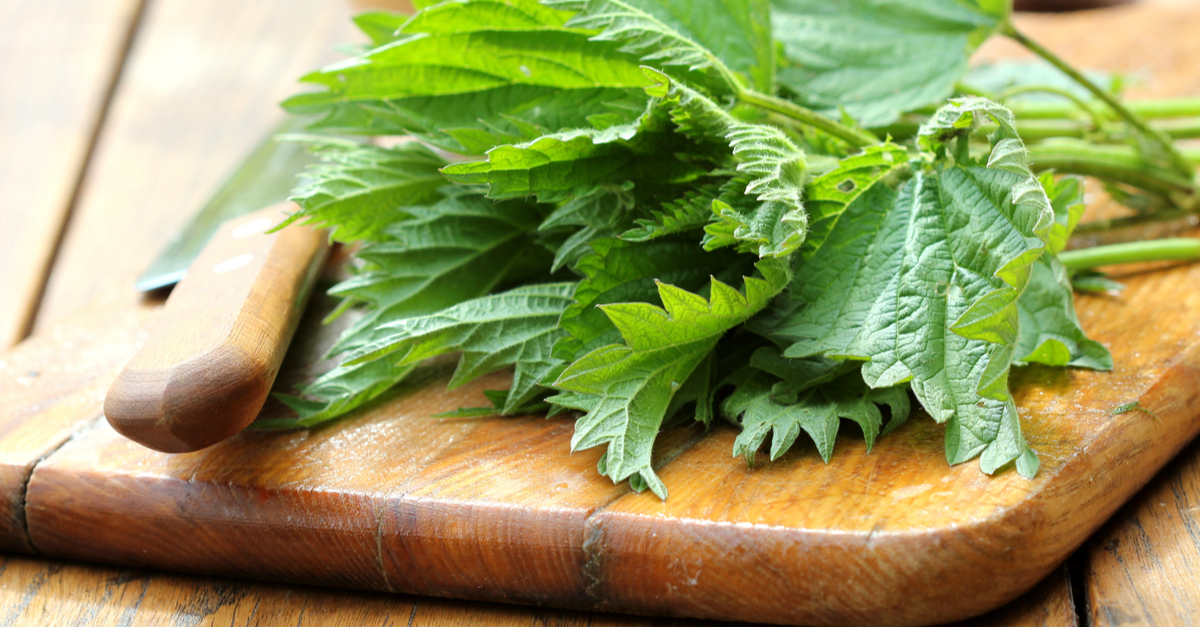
x=779, y=214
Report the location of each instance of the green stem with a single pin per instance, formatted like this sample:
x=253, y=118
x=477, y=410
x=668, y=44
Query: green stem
x=1177, y=161
x=1097, y=119
x=1147, y=109
x=1112, y=224
x=1175, y=249
x=1118, y=164
x=1036, y=129
x=854, y=137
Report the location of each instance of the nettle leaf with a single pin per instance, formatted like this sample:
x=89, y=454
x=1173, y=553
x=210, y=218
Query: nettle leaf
x=558, y=166
x=1050, y=332
x=380, y=26
x=452, y=251
x=513, y=328
x=817, y=411
x=722, y=35
x=775, y=170
x=627, y=389
x=879, y=58
x=841, y=282
x=621, y=272
x=340, y=391
x=830, y=194
x=360, y=189
x=924, y=284
x=466, y=76
x=600, y=214
x=691, y=211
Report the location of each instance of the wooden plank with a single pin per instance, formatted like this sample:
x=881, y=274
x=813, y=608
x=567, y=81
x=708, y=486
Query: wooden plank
x=198, y=93
x=1151, y=41
x=497, y=509
x=58, y=59
x=49, y=387
x=1048, y=604
x=1142, y=567
x=49, y=592
x=425, y=504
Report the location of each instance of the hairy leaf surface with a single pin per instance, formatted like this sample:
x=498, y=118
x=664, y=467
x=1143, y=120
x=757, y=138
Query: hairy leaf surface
x=924, y=283
x=558, y=166
x=470, y=75
x=455, y=250
x=627, y=389
x=817, y=411
x=1050, y=331
x=360, y=189
x=622, y=272
x=774, y=168
x=697, y=34
x=513, y=328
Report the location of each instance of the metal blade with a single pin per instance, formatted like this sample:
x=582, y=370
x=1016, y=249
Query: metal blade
x=266, y=177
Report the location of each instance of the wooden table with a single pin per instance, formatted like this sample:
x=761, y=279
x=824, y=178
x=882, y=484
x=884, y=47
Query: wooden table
x=118, y=118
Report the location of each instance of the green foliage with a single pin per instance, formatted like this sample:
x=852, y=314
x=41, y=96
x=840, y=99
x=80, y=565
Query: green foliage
x=457, y=249
x=626, y=389
x=876, y=59
x=467, y=76
x=817, y=410
x=717, y=35
x=1050, y=332
x=513, y=328
x=598, y=211
x=775, y=172
x=360, y=189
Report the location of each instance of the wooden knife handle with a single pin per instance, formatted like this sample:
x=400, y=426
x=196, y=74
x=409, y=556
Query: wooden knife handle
x=212, y=356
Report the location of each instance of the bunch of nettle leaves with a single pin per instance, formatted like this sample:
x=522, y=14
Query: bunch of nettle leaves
x=742, y=209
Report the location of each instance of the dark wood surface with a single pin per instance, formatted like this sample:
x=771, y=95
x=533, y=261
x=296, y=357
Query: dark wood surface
x=149, y=151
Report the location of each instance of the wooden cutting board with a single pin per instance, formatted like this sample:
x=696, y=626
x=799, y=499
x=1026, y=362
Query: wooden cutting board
x=498, y=509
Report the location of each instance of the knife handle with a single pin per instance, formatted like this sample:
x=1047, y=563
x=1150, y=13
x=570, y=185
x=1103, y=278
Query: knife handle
x=207, y=368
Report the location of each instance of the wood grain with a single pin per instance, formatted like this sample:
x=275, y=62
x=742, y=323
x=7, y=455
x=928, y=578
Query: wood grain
x=58, y=59
x=199, y=91
x=49, y=387
x=497, y=509
x=419, y=514
x=213, y=354
x=428, y=518
x=1142, y=566
x=50, y=592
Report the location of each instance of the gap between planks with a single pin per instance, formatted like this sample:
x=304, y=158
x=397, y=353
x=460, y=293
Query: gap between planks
x=33, y=305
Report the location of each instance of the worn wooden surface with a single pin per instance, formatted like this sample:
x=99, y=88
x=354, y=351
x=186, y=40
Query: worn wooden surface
x=58, y=56
x=36, y=593
x=197, y=93
x=1141, y=568
x=49, y=387
x=1169, y=21
x=212, y=356
x=497, y=509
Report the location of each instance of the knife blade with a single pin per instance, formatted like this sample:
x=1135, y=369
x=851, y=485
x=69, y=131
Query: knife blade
x=207, y=368
x=267, y=176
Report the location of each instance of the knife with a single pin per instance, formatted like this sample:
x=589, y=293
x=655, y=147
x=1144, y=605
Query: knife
x=207, y=368
x=266, y=177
